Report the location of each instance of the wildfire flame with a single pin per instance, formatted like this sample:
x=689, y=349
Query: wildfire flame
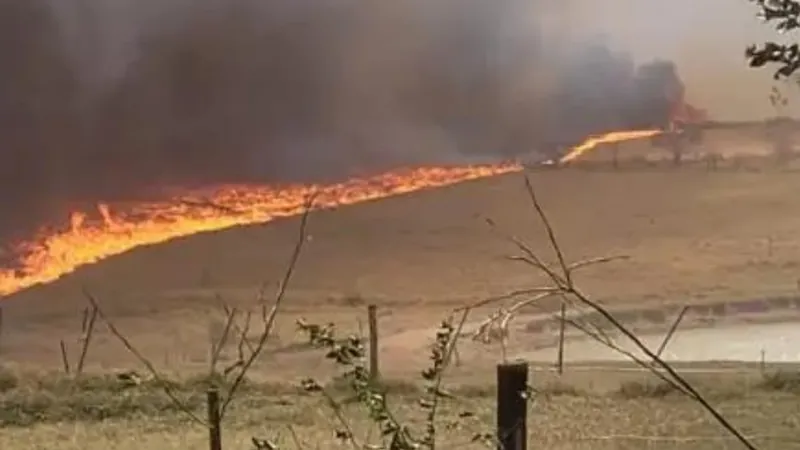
x=56, y=253
x=614, y=136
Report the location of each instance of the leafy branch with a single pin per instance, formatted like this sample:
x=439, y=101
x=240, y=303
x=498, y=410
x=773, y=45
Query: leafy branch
x=784, y=16
x=350, y=355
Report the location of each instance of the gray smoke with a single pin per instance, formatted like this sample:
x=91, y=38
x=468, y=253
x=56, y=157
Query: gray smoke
x=104, y=100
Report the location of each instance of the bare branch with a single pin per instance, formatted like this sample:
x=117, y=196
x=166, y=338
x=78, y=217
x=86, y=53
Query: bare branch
x=86, y=339
x=269, y=319
x=613, y=346
x=218, y=344
x=593, y=261
x=64, y=356
x=437, y=383
x=507, y=296
x=144, y=361
x=530, y=256
x=551, y=234
x=243, y=340
x=499, y=320
x=565, y=285
x=571, y=289
x=236, y=328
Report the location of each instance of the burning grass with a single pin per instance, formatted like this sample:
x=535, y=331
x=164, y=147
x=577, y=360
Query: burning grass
x=56, y=252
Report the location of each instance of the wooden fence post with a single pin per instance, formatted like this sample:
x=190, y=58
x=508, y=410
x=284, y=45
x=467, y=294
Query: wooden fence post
x=512, y=406
x=214, y=426
x=561, y=336
x=374, y=369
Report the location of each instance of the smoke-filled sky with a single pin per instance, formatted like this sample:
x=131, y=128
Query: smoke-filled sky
x=705, y=39
x=109, y=99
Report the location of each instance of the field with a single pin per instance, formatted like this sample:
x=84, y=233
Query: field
x=691, y=237
x=569, y=414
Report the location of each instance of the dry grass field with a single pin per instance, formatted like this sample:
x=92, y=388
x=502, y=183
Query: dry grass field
x=604, y=408
x=692, y=236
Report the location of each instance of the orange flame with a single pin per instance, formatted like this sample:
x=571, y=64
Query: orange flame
x=85, y=242
x=614, y=136
x=56, y=253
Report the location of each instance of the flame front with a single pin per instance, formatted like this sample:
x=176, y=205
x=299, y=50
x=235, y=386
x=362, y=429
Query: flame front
x=54, y=254
x=608, y=138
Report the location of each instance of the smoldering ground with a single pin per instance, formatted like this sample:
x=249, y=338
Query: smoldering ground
x=108, y=100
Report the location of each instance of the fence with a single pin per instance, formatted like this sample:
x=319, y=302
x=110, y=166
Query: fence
x=512, y=387
x=511, y=409
x=511, y=398
x=511, y=383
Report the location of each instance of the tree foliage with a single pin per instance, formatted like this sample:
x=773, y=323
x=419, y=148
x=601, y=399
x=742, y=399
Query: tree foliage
x=784, y=15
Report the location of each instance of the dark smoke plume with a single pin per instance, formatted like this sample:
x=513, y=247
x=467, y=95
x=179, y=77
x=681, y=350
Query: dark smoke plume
x=288, y=90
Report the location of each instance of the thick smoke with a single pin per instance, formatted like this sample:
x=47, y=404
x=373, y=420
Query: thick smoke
x=100, y=107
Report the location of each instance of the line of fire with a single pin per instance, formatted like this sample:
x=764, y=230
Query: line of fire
x=666, y=119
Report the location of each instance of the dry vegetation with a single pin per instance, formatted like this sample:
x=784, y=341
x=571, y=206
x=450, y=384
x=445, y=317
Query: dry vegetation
x=610, y=406
x=638, y=413
x=691, y=236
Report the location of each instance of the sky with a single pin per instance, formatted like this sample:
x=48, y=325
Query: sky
x=706, y=38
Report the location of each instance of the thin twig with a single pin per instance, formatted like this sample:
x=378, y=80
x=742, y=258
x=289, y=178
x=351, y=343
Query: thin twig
x=86, y=339
x=236, y=328
x=270, y=318
x=437, y=383
x=217, y=344
x=599, y=260
x=551, y=234
x=507, y=296
x=64, y=356
x=501, y=318
x=693, y=393
x=85, y=320
x=570, y=288
x=243, y=336
x=638, y=361
x=153, y=372
x=530, y=257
